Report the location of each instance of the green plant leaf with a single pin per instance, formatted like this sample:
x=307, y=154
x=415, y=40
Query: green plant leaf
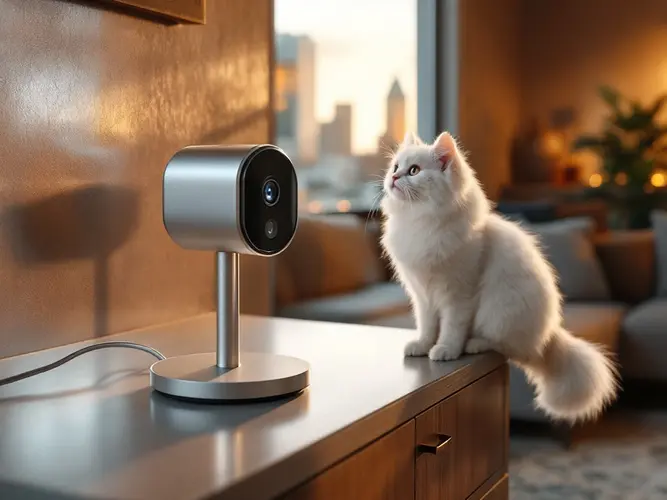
x=657, y=105
x=651, y=137
x=613, y=141
x=609, y=95
x=635, y=122
x=588, y=142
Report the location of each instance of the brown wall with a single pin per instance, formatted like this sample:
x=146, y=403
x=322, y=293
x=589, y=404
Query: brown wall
x=489, y=86
x=569, y=47
x=92, y=105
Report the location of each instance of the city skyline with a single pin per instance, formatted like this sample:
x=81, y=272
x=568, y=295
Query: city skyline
x=357, y=59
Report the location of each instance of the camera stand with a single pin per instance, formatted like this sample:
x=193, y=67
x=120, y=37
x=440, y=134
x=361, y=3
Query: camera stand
x=227, y=375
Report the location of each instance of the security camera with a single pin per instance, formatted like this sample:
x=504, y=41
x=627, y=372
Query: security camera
x=232, y=200
x=240, y=199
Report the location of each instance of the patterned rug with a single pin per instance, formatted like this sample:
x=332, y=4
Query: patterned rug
x=622, y=458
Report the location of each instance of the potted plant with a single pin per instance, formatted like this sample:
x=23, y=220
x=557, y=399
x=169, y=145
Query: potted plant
x=633, y=150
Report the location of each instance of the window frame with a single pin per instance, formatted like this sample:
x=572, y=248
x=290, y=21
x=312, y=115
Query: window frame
x=438, y=67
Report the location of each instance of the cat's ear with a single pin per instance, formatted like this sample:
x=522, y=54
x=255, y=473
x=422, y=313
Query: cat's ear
x=411, y=139
x=445, y=149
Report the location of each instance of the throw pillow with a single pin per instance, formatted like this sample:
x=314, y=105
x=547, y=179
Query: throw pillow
x=659, y=223
x=567, y=244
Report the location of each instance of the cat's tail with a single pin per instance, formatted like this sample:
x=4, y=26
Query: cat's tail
x=575, y=379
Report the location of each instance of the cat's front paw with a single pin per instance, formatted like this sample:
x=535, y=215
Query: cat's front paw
x=417, y=348
x=442, y=352
x=475, y=345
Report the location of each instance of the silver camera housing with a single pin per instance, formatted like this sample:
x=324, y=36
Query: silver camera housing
x=232, y=200
x=218, y=198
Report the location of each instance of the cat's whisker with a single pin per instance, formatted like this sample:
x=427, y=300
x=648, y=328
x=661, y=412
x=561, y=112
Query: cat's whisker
x=412, y=195
x=375, y=206
x=386, y=150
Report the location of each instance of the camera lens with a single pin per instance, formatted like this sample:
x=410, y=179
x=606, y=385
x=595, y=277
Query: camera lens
x=270, y=192
x=271, y=229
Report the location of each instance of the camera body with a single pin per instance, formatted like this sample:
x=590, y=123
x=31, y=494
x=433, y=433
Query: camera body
x=241, y=199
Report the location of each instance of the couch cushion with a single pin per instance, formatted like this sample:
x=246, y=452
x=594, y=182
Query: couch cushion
x=361, y=306
x=522, y=398
x=596, y=322
x=659, y=222
x=533, y=211
x=402, y=320
x=329, y=255
x=628, y=260
x=567, y=244
x=644, y=343
x=599, y=323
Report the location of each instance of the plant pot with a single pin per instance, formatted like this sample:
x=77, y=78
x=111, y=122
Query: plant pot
x=629, y=218
x=631, y=209
x=629, y=206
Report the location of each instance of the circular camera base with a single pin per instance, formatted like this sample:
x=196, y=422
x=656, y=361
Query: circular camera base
x=258, y=376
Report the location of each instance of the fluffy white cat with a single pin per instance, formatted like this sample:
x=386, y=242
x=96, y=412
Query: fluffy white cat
x=479, y=282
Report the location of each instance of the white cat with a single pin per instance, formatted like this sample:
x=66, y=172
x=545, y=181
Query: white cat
x=480, y=282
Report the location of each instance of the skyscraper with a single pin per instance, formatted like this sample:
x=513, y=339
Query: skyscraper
x=395, y=113
x=336, y=136
x=296, y=126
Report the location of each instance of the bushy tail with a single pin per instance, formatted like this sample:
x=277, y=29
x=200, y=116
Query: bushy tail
x=575, y=379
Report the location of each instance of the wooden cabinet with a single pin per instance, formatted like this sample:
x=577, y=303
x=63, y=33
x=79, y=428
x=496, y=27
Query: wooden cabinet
x=499, y=491
x=384, y=470
x=462, y=441
x=454, y=450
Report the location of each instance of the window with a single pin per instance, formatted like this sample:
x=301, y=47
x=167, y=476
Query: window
x=345, y=93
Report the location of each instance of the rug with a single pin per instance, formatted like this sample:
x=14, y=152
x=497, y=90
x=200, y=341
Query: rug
x=623, y=458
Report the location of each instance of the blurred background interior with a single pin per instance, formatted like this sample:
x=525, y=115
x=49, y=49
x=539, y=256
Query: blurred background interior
x=560, y=104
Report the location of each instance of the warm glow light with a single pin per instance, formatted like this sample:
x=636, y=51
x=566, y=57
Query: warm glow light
x=553, y=145
x=595, y=180
x=343, y=206
x=658, y=179
x=621, y=179
x=315, y=207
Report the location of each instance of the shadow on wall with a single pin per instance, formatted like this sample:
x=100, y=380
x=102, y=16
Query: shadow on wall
x=87, y=223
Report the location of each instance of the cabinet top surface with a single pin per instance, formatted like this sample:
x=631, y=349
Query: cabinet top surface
x=94, y=428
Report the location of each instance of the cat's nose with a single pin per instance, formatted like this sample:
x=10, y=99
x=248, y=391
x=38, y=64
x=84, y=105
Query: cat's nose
x=394, y=178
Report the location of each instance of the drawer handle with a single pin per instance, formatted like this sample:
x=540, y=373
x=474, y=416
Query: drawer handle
x=434, y=449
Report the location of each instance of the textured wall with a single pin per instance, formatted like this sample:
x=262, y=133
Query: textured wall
x=489, y=86
x=93, y=103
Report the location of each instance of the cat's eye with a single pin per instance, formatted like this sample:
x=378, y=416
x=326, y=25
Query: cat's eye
x=395, y=167
x=414, y=170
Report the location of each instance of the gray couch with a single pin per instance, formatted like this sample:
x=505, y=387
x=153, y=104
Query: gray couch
x=333, y=271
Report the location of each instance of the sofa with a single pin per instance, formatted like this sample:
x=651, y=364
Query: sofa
x=614, y=284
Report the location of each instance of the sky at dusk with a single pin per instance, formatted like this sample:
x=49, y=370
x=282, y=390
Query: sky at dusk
x=361, y=46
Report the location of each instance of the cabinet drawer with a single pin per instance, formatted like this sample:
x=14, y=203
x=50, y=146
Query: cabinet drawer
x=462, y=441
x=384, y=470
x=499, y=491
